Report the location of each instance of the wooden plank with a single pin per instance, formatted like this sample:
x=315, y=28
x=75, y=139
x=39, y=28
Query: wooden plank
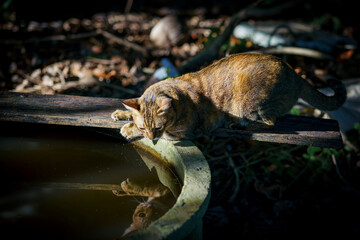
x=95, y=112
x=71, y=186
x=78, y=186
x=291, y=129
x=59, y=109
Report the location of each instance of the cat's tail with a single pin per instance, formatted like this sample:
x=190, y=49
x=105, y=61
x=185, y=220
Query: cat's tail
x=321, y=101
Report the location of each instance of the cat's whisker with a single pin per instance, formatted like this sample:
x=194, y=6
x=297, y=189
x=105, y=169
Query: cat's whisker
x=136, y=200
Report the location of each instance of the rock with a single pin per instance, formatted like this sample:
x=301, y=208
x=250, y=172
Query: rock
x=169, y=31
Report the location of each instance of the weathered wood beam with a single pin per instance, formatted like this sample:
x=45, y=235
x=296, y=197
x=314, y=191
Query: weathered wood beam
x=95, y=112
x=292, y=129
x=59, y=109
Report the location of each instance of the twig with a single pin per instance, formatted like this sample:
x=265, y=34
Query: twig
x=248, y=164
x=221, y=157
x=123, y=42
x=349, y=144
x=297, y=177
x=338, y=170
x=208, y=145
x=51, y=38
x=237, y=177
x=212, y=52
x=341, y=177
x=104, y=33
x=104, y=61
x=128, y=6
x=296, y=51
x=70, y=37
x=122, y=89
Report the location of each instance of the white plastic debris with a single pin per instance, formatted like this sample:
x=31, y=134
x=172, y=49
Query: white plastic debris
x=261, y=38
x=349, y=113
x=279, y=33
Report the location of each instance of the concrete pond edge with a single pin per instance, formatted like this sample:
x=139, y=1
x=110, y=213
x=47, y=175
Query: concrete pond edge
x=184, y=219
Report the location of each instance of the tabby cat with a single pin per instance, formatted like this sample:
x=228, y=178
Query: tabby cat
x=250, y=90
x=159, y=200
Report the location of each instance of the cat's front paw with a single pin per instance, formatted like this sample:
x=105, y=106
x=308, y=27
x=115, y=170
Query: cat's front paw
x=130, y=131
x=121, y=114
x=127, y=187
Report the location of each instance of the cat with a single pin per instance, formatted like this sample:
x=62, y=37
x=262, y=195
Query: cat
x=247, y=90
x=159, y=200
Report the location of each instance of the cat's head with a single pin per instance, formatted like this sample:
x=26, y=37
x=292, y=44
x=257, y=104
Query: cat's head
x=144, y=214
x=151, y=116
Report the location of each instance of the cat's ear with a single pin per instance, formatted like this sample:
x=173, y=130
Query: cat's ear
x=164, y=104
x=131, y=104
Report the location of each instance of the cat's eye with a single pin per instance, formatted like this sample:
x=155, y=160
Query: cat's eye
x=142, y=129
x=158, y=128
x=142, y=215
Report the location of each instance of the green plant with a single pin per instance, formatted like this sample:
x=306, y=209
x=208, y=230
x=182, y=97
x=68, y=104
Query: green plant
x=357, y=126
x=295, y=111
x=329, y=20
x=320, y=161
x=6, y=9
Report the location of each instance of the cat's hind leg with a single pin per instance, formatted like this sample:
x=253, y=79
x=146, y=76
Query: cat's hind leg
x=260, y=121
x=267, y=119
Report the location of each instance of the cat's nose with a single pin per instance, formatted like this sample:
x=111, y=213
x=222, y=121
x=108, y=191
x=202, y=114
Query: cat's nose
x=150, y=135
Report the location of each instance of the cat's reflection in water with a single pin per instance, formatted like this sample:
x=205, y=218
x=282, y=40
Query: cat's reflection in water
x=159, y=200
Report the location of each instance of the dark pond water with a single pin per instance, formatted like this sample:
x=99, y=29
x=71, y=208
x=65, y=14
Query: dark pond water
x=48, y=181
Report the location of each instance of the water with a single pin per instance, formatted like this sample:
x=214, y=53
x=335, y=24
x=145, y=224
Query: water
x=48, y=180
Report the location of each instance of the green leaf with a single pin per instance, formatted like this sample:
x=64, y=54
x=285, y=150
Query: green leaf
x=225, y=47
x=312, y=150
x=326, y=165
x=347, y=148
x=357, y=126
x=6, y=4
x=295, y=111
